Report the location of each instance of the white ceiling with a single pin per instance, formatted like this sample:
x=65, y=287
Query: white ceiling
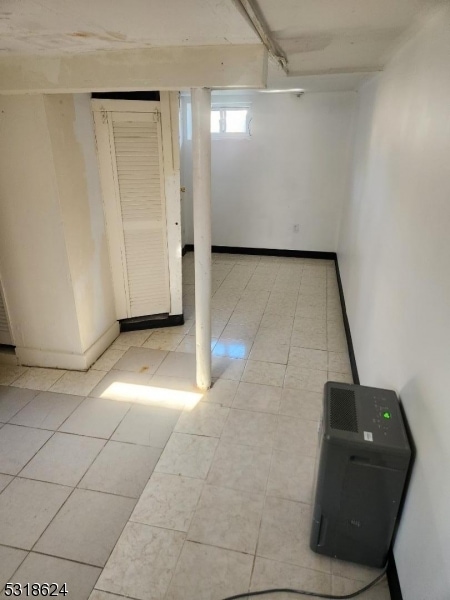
x=61, y=26
x=339, y=36
x=321, y=38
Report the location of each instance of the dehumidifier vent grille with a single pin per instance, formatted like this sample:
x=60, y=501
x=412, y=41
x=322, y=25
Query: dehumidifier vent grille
x=343, y=410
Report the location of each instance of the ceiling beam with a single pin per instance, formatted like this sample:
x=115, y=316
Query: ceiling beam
x=252, y=12
x=158, y=68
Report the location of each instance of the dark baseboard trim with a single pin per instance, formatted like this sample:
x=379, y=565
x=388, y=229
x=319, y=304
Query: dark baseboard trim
x=7, y=348
x=393, y=580
x=268, y=252
x=351, y=351
x=392, y=575
x=151, y=322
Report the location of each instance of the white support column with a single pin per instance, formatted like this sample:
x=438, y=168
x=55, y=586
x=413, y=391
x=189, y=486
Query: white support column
x=201, y=156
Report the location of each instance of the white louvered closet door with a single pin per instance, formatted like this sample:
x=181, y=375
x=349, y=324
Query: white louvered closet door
x=5, y=334
x=136, y=148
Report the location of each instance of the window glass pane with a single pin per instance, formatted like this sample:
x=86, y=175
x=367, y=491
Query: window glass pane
x=215, y=121
x=236, y=121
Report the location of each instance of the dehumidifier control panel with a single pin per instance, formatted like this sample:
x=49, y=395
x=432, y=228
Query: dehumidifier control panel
x=370, y=415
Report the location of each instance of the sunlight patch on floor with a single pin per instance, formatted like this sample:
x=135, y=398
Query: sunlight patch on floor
x=152, y=395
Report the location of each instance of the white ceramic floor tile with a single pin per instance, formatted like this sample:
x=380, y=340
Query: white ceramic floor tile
x=233, y=348
x=18, y=445
x=163, y=341
x=208, y=573
x=284, y=535
x=64, y=459
x=291, y=476
x=246, y=314
x=79, y=579
x=87, y=527
x=204, y=419
x=296, y=435
x=260, y=398
x=77, y=383
x=153, y=554
x=341, y=586
x=227, y=368
x=244, y=468
x=309, y=339
x=187, y=344
x=168, y=501
x=353, y=571
x=227, y=518
x=10, y=373
x=140, y=360
x=122, y=469
x=339, y=362
x=309, y=325
x=178, y=329
x=277, y=322
x=98, y=595
x=334, y=312
x=270, y=352
x=176, y=393
x=240, y=331
x=222, y=392
x=187, y=455
x=336, y=342
x=38, y=379
x=47, y=410
x=4, y=481
x=10, y=559
x=305, y=310
x=96, y=417
x=340, y=377
x=310, y=299
x=123, y=386
x=266, y=373
x=308, y=358
x=250, y=428
x=26, y=508
x=282, y=303
x=301, y=403
x=12, y=400
x=178, y=364
x=147, y=425
x=312, y=380
x=335, y=329
x=108, y=359
x=272, y=336
x=269, y=574
x=130, y=339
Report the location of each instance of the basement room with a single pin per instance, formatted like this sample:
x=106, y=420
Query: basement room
x=224, y=295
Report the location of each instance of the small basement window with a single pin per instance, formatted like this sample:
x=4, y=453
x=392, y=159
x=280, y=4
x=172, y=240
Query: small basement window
x=230, y=121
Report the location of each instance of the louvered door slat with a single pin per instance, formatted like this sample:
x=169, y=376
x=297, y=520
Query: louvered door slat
x=138, y=155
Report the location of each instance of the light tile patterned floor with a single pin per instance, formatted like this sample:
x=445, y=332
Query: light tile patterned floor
x=228, y=506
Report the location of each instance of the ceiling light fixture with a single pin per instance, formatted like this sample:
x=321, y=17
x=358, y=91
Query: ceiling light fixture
x=286, y=91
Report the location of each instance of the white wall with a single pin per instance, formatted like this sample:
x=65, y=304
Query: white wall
x=293, y=170
x=71, y=129
x=394, y=254
x=53, y=265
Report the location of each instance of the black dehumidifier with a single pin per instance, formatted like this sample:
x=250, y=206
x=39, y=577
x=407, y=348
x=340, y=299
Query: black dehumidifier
x=363, y=462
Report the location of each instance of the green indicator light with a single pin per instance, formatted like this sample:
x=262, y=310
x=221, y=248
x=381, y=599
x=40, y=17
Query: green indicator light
x=387, y=415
